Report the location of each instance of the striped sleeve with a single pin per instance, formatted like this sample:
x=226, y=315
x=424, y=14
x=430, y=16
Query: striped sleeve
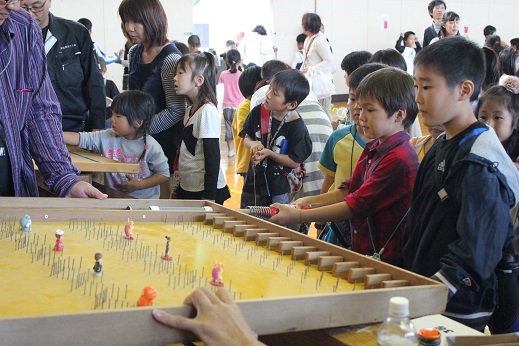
x=175, y=104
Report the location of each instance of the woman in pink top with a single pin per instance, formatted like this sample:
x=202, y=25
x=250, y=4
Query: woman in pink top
x=232, y=95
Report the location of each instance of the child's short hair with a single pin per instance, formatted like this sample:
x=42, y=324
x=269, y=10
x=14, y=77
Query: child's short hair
x=435, y=3
x=182, y=47
x=248, y=80
x=489, y=30
x=271, y=67
x=86, y=22
x=294, y=83
x=358, y=75
x=355, y=59
x=135, y=105
x=407, y=34
x=389, y=57
x=449, y=57
x=505, y=98
x=194, y=41
x=301, y=38
x=393, y=89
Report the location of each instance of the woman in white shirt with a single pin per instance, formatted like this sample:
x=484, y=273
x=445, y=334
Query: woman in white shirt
x=256, y=48
x=317, y=56
x=450, y=26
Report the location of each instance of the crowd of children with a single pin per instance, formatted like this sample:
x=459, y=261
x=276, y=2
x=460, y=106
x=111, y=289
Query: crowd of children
x=420, y=203
x=432, y=218
x=439, y=205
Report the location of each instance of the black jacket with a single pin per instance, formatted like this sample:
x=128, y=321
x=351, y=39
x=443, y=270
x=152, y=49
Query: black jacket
x=428, y=35
x=75, y=74
x=460, y=240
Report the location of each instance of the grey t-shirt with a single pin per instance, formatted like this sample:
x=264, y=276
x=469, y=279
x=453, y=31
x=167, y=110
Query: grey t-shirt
x=108, y=144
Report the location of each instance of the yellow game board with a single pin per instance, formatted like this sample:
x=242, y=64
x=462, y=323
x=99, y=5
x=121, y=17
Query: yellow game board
x=65, y=281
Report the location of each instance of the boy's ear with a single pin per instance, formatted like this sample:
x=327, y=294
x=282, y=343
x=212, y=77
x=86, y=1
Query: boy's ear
x=292, y=105
x=400, y=115
x=466, y=89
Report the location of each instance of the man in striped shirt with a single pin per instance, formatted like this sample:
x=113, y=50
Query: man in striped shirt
x=30, y=115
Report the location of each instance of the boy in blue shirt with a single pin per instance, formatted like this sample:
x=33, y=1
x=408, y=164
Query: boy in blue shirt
x=278, y=140
x=460, y=221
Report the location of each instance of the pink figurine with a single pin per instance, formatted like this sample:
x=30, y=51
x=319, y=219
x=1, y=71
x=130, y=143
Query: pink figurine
x=128, y=228
x=217, y=275
x=166, y=256
x=59, y=243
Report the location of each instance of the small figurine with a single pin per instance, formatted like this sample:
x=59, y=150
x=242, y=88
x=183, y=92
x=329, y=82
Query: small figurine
x=98, y=266
x=26, y=223
x=217, y=275
x=166, y=256
x=128, y=228
x=59, y=243
x=147, y=296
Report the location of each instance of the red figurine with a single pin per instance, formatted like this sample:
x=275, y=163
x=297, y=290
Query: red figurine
x=217, y=275
x=128, y=228
x=59, y=244
x=147, y=296
x=166, y=256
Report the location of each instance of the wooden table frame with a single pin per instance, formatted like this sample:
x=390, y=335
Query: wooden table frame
x=88, y=163
x=265, y=316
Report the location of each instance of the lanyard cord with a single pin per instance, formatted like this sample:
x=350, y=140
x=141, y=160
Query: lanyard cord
x=377, y=255
x=270, y=138
x=369, y=171
x=270, y=141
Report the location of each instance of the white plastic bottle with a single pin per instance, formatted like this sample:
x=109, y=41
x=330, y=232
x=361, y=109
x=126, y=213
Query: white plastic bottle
x=397, y=329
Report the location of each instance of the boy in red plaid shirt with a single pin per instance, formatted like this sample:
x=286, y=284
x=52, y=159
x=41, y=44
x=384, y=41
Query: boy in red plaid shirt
x=377, y=197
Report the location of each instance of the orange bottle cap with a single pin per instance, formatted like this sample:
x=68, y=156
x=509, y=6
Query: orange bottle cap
x=429, y=334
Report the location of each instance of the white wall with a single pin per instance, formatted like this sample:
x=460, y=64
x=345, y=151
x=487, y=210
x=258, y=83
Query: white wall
x=106, y=24
x=356, y=24
x=350, y=24
x=226, y=18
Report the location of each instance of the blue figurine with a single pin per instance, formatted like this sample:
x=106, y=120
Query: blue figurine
x=26, y=223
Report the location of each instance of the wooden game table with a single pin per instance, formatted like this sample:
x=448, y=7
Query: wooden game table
x=282, y=280
x=88, y=163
